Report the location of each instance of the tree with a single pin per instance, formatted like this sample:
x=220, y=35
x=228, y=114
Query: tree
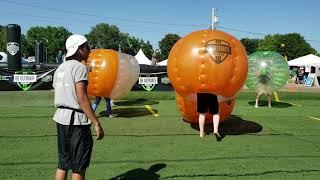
x=130, y=45
x=166, y=44
x=26, y=48
x=108, y=36
x=250, y=45
x=270, y=43
x=147, y=48
x=53, y=38
x=3, y=39
x=291, y=45
x=105, y=36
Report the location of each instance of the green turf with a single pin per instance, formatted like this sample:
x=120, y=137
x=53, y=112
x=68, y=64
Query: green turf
x=260, y=143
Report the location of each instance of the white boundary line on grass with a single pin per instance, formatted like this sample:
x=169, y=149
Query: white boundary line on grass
x=295, y=104
x=314, y=118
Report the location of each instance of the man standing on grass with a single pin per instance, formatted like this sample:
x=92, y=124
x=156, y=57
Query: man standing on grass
x=74, y=114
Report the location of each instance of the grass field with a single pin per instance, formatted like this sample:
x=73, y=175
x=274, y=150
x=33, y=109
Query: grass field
x=282, y=142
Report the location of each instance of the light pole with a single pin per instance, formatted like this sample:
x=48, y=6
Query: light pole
x=214, y=19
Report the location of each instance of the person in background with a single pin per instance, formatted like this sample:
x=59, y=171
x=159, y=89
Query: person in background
x=293, y=74
x=59, y=57
x=300, y=75
x=74, y=114
x=207, y=102
x=306, y=73
x=154, y=59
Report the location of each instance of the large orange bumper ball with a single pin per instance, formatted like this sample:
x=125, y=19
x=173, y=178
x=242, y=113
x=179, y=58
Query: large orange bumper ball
x=111, y=74
x=207, y=61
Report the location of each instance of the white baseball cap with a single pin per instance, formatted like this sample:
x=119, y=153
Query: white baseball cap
x=73, y=43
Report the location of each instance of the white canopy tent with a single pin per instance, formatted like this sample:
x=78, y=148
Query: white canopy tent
x=142, y=58
x=163, y=63
x=307, y=60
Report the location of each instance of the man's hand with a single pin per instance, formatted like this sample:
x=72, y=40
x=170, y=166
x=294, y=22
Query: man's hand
x=99, y=131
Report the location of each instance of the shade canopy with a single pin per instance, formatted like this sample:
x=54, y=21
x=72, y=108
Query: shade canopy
x=142, y=58
x=163, y=63
x=307, y=60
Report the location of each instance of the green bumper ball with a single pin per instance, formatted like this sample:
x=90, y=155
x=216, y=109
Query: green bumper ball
x=268, y=72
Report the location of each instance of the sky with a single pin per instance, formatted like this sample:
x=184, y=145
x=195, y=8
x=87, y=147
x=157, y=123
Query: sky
x=151, y=20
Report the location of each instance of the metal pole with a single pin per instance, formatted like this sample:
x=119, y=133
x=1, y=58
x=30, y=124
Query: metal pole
x=214, y=19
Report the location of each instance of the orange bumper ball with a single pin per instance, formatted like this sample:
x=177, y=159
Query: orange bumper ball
x=207, y=61
x=111, y=74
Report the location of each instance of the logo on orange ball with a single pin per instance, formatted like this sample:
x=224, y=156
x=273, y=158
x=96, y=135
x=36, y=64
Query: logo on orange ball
x=218, y=50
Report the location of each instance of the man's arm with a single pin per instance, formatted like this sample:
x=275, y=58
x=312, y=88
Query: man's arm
x=85, y=105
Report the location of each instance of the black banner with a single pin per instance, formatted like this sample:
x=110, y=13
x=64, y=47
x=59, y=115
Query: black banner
x=26, y=79
x=151, y=78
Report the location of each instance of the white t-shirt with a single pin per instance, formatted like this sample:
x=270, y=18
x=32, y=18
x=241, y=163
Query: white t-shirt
x=64, y=83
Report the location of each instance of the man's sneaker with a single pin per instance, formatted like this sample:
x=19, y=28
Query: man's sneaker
x=112, y=103
x=202, y=135
x=218, y=137
x=112, y=115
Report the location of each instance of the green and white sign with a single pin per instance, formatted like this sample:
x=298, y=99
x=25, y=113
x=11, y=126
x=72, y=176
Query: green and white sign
x=25, y=79
x=148, y=83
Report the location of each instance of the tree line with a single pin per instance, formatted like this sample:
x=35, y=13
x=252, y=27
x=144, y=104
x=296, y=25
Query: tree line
x=290, y=46
x=107, y=36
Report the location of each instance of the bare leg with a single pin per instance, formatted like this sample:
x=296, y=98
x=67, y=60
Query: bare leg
x=216, y=120
x=269, y=99
x=61, y=174
x=202, y=118
x=257, y=100
x=79, y=176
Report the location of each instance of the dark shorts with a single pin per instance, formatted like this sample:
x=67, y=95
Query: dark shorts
x=74, y=147
x=207, y=102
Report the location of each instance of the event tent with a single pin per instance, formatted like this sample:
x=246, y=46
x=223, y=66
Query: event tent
x=141, y=58
x=163, y=63
x=307, y=60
